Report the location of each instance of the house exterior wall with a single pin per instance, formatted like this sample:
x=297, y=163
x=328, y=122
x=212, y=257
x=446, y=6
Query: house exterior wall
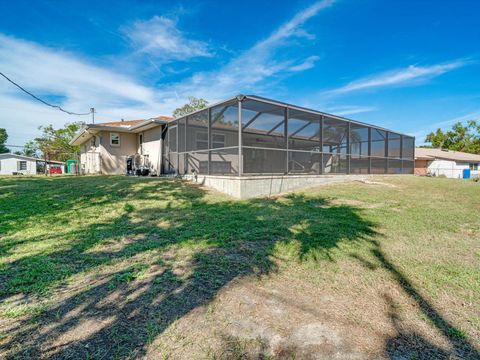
x=10, y=165
x=448, y=168
x=151, y=147
x=98, y=156
x=421, y=167
x=114, y=158
x=90, y=156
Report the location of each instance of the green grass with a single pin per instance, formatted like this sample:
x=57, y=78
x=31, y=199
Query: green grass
x=169, y=247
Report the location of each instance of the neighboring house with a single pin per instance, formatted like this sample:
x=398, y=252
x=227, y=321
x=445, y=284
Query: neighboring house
x=439, y=162
x=12, y=164
x=247, y=136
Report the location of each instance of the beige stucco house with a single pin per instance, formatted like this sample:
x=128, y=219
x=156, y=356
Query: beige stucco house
x=104, y=147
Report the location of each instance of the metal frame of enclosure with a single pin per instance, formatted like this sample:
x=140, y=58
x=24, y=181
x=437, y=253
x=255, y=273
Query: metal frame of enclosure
x=250, y=135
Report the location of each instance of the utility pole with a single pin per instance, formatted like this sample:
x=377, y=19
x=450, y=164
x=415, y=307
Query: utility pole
x=92, y=110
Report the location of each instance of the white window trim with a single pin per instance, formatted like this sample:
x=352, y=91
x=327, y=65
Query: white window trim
x=202, y=141
x=111, y=143
x=20, y=162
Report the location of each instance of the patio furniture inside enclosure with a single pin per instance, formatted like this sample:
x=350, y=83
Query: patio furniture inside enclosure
x=249, y=135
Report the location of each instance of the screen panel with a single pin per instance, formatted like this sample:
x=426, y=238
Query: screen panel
x=224, y=125
x=394, y=143
x=378, y=165
x=334, y=164
x=197, y=161
x=224, y=161
x=407, y=167
x=300, y=162
x=263, y=125
x=264, y=161
x=197, y=131
x=358, y=140
x=335, y=136
x=172, y=138
x=394, y=166
x=378, y=142
x=408, y=147
x=359, y=165
x=181, y=134
x=303, y=131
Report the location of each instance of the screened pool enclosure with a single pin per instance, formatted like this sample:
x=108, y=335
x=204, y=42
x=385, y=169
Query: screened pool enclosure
x=249, y=135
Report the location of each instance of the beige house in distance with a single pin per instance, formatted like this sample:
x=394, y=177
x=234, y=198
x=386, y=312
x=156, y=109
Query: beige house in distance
x=104, y=147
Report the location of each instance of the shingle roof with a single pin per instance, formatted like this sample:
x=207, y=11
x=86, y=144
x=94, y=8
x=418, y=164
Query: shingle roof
x=130, y=123
x=431, y=154
x=125, y=123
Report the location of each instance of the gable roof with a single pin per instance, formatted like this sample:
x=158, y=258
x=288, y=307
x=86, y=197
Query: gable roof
x=432, y=154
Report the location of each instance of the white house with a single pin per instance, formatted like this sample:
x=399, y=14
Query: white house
x=439, y=162
x=13, y=164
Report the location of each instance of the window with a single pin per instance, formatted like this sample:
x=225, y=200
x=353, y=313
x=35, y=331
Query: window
x=473, y=166
x=114, y=139
x=22, y=165
x=218, y=140
x=201, y=140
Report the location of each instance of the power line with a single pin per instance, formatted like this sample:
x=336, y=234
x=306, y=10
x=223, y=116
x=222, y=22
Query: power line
x=42, y=101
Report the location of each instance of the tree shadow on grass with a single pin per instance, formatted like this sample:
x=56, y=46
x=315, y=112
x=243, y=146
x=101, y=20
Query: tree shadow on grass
x=55, y=200
x=411, y=344
x=179, y=257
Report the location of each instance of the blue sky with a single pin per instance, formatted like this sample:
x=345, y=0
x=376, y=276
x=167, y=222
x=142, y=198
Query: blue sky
x=411, y=66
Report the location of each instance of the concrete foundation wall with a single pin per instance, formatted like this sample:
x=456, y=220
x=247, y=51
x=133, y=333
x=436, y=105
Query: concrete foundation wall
x=258, y=186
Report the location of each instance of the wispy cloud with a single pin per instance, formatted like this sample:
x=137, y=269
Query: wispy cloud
x=161, y=38
x=308, y=63
x=350, y=110
x=75, y=83
x=406, y=76
x=262, y=61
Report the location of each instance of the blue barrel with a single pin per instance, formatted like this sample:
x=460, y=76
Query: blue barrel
x=466, y=173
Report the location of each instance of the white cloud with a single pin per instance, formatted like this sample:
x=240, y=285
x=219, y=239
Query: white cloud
x=75, y=84
x=161, y=38
x=78, y=84
x=405, y=76
x=350, y=110
x=308, y=63
x=247, y=71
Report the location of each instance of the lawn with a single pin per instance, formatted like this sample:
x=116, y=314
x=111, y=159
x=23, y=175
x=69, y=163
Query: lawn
x=117, y=267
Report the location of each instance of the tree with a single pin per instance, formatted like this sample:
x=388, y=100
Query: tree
x=192, y=105
x=30, y=149
x=461, y=137
x=54, y=143
x=3, y=140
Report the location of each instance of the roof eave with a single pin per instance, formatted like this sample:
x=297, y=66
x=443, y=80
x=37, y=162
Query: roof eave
x=148, y=124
